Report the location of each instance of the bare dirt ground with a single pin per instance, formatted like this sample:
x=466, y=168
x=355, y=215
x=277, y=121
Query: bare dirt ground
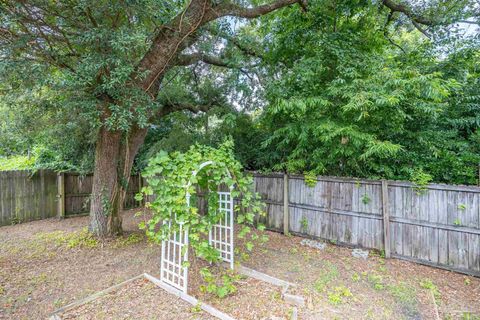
x=340, y=286
x=139, y=299
x=47, y=264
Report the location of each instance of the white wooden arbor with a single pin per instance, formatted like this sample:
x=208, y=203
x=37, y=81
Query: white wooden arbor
x=174, y=258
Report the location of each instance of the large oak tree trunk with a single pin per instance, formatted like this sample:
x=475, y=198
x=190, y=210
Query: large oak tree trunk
x=114, y=155
x=104, y=210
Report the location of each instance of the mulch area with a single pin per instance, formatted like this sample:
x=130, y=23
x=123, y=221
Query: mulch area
x=43, y=268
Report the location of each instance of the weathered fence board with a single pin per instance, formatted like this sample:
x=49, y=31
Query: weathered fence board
x=440, y=227
x=25, y=196
x=78, y=189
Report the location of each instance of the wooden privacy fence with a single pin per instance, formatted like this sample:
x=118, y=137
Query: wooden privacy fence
x=438, y=227
x=27, y=196
x=77, y=190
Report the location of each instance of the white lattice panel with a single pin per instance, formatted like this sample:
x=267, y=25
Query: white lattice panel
x=173, y=271
x=221, y=234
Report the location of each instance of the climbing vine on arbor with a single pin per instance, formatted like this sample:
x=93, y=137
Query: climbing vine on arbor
x=170, y=177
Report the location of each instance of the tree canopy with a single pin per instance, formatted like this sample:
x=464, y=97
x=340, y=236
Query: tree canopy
x=383, y=88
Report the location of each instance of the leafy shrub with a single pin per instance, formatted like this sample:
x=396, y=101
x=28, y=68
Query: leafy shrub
x=17, y=163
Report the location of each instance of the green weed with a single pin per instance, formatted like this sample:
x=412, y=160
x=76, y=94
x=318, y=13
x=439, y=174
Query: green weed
x=429, y=285
x=405, y=295
x=356, y=277
x=304, y=224
x=336, y=296
x=77, y=239
x=376, y=281
x=328, y=274
x=131, y=239
x=470, y=316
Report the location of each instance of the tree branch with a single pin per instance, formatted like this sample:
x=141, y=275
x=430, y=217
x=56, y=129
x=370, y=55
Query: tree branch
x=189, y=59
x=232, y=9
x=245, y=49
x=171, y=107
x=397, y=7
x=469, y=22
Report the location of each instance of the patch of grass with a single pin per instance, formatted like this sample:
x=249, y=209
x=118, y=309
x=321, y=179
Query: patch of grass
x=406, y=296
x=382, y=269
x=77, y=239
x=38, y=279
x=276, y=296
x=197, y=308
x=328, y=274
x=295, y=269
x=429, y=285
x=356, y=277
x=376, y=281
x=470, y=316
x=370, y=314
x=127, y=241
x=58, y=303
x=338, y=294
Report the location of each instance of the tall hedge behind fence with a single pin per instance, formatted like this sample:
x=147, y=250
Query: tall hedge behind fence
x=440, y=227
x=25, y=196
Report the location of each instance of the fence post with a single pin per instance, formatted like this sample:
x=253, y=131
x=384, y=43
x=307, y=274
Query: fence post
x=386, y=218
x=286, y=204
x=61, y=195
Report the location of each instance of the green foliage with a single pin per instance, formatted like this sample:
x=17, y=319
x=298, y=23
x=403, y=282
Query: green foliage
x=405, y=295
x=181, y=130
x=304, y=224
x=222, y=286
x=17, y=163
x=356, y=277
x=347, y=102
x=376, y=281
x=130, y=240
x=170, y=178
x=310, y=179
x=338, y=294
x=329, y=274
x=71, y=240
x=359, y=97
x=420, y=181
x=429, y=285
x=366, y=199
